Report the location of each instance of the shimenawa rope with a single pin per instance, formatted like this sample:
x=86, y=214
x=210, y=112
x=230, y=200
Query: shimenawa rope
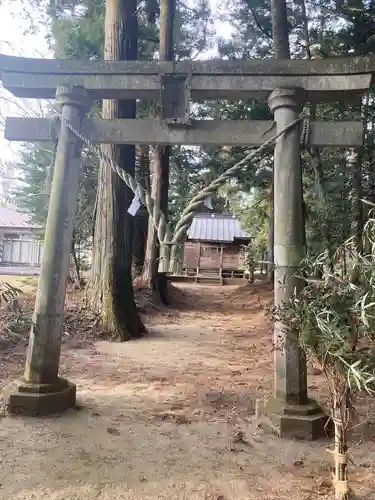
x=166, y=238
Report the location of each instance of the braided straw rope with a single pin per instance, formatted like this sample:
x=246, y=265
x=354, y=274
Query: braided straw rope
x=168, y=255
x=196, y=203
x=161, y=226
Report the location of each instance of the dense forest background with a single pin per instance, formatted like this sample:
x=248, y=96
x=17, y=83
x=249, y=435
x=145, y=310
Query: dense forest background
x=334, y=182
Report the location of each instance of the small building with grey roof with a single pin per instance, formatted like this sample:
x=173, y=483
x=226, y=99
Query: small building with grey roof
x=216, y=244
x=19, y=244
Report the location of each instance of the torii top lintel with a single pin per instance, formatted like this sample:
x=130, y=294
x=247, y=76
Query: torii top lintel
x=324, y=79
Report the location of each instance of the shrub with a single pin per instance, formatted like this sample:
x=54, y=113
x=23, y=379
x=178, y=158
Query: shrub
x=335, y=318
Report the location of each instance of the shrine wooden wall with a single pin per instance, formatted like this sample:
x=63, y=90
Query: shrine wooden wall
x=205, y=255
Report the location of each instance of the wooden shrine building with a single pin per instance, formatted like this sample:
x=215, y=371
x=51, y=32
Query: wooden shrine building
x=215, y=247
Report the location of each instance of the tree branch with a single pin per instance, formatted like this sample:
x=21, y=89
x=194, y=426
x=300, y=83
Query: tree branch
x=259, y=25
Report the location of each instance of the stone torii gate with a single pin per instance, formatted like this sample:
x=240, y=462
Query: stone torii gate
x=287, y=85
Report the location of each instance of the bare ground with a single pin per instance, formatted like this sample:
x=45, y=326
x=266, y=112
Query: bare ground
x=170, y=416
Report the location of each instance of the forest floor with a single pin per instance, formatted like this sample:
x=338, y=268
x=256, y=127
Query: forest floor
x=170, y=416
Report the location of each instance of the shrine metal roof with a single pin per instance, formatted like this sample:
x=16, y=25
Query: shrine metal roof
x=221, y=228
x=11, y=218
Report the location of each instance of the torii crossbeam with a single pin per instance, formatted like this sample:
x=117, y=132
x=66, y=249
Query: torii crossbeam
x=324, y=79
x=200, y=132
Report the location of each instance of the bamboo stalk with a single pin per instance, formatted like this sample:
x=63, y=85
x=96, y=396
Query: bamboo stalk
x=340, y=481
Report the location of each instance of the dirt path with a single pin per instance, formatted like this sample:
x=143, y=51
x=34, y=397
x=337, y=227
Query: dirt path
x=161, y=418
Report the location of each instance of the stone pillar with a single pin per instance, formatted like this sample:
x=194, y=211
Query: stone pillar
x=291, y=411
x=41, y=391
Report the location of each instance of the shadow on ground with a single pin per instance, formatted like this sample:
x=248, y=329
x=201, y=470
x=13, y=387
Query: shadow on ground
x=171, y=416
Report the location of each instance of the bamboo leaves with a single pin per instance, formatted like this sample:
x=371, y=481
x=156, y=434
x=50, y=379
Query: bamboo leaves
x=335, y=317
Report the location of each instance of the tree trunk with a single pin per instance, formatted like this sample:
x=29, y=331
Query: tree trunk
x=76, y=265
x=371, y=160
x=357, y=191
x=162, y=183
x=141, y=218
x=322, y=205
x=356, y=195
x=149, y=268
x=111, y=285
x=139, y=240
x=316, y=157
x=160, y=167
x=280, y=33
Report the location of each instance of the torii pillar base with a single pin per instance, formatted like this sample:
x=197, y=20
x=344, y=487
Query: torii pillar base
x=302, y=422
x=34, y=400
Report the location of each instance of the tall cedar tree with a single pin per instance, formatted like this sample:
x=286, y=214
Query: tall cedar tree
x=160, y=164
x=111, y=284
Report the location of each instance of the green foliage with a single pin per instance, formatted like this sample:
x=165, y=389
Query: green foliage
x=335, y=320
x=77, y=29
x=77, y=32
x=193, y=30
x=32, y=195
x=35, y=170
x=335, y=316
x=84, y=217
x=318, y=28
x=79, y=36
x=253, y=212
